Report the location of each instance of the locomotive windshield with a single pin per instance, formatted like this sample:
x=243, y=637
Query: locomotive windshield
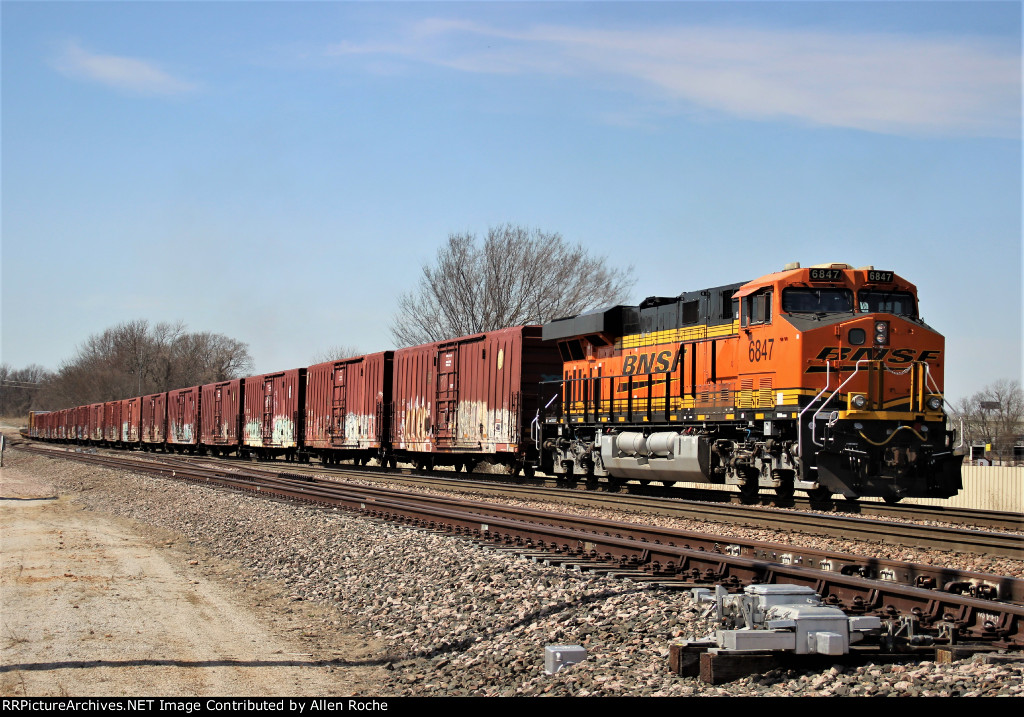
x=900, y=303
x=814, y=301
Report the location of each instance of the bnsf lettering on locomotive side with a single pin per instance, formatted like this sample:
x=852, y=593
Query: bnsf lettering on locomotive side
x=660, y=362
x=897, y=356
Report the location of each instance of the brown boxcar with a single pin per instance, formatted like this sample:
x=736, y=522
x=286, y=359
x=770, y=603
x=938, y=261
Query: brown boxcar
x=153, y=421
x=81, y=423
x=112, y=421
x=346, y=407
x=183, y=419
x=459, y=401
x=131, y=420
x=272, y=413
x=54, y=425
x=37, y=424
x=95, y=422
x=221, y=424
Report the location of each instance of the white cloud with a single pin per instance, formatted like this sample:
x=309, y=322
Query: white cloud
x=122, y=73
x=888, y=83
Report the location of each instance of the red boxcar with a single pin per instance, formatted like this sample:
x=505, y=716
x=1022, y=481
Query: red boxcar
x=95, y=422
x=221, y=422
x=153, y=420
x=131, y=420
x=81, y=423
x=112, y=421
x=37, y=424
x=346, y=407
x=183, y=419
x=458, y=401
x=272, y=413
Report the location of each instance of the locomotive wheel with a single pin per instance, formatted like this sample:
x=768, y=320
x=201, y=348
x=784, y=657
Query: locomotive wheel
x=892, y=499
x=750, y=492
x=785, y=491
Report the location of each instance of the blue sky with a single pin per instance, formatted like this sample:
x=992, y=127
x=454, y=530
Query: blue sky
x=279, y=172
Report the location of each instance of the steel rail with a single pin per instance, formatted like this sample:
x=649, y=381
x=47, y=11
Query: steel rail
x=999, y=624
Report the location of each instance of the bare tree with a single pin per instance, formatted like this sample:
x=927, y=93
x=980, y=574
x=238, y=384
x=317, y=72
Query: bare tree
x=20, y=389
x=335, y=353
x=993, y=416
x=135, y=359
x=518, y=276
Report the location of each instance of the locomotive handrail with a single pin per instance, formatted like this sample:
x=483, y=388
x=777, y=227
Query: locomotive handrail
x=800, y=433
x=935, y=389
x=814, y=418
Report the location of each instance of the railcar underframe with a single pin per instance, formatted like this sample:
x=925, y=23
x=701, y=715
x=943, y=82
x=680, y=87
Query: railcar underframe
x=783, y=448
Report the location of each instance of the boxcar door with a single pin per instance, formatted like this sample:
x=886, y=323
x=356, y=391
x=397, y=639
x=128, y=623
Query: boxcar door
x=339, y=398
x=447, y=398
x=268, y=411
x=218, y=420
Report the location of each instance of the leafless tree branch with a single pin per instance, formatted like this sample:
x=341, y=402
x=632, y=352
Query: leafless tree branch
x=515, y=276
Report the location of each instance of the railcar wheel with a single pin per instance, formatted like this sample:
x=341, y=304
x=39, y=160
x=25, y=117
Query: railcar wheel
x=892, y=499
x=785, y=490
x=819, y=494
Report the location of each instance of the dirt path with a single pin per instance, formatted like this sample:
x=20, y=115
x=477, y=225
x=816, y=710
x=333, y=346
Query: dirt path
x=93, y=605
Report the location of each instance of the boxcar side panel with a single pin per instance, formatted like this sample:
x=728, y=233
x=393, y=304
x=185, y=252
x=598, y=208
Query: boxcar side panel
x=153, y=419
x=222, y=414
x=346, y=401
x=112, y=421
x=183, y=416
x=130, y=420
x=271, y=409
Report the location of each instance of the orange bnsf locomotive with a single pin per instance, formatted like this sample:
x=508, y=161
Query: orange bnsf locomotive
x=820, y=379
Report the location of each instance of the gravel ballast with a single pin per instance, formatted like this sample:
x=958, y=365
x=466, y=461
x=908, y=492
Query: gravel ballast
x=461, y=619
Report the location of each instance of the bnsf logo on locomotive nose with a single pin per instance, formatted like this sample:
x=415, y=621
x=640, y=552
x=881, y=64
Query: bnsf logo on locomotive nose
x=654, y=362
x=894, y=356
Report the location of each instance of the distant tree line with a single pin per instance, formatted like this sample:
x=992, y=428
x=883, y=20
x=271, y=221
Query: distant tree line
x=993, y=416
x=133, y=358
x=20, y=388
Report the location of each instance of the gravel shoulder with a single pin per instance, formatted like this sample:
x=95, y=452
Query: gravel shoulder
x=98, y=605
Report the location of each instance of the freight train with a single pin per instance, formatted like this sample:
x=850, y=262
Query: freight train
x=821, y=379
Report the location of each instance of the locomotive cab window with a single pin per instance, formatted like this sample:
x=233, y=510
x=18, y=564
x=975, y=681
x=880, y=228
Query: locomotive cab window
x=757, y=308
x=815, y=301
x=900, y=303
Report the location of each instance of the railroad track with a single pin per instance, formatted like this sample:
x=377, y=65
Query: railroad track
x=962, y=605
x=840, y=525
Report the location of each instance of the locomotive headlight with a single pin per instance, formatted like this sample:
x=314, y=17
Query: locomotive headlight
x=859, y=401
x=934, y=403
x=881, y=333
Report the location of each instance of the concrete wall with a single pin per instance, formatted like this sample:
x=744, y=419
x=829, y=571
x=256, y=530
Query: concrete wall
x=986, y=488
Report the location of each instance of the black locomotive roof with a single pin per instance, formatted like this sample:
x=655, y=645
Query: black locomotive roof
x=655, y=313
